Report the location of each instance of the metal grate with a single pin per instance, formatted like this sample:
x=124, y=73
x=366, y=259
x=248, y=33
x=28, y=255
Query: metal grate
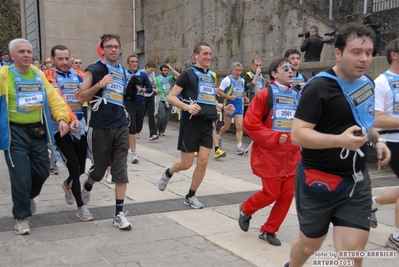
x=135, y=209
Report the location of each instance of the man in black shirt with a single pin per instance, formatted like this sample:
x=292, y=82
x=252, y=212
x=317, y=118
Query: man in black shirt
x=332, y=123
x=105, y=80
x=313, y=45
x=196, y=86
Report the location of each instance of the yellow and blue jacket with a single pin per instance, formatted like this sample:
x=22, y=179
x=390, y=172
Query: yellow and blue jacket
x=52, y=102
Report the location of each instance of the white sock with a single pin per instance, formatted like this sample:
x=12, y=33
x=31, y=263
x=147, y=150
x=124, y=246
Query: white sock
x=395, y=232
x=239, y=145
x=375, y=204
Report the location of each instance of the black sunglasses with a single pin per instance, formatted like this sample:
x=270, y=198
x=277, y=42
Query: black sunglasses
x=286, y=68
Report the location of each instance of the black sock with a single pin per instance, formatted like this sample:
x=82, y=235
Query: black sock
x=88, y=186
x=191, y=193
x=168, y=173
x=216, y=148
x=119, y=206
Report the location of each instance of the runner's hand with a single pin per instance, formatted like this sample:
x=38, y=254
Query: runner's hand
x=74, y=126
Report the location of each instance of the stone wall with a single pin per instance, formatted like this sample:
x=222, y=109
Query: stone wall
x=389, y=21
x=236, y=30
x=78, y=24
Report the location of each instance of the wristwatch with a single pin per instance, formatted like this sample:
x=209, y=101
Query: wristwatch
x=379, y=140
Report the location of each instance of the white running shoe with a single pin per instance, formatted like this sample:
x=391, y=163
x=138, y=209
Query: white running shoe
x=193, y=202
x=69, y=199
x=22, y=227
x=84, y=214
x=121, y=221
x=108, y=178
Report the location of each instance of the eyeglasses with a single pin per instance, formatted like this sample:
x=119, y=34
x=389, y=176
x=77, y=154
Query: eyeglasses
x=116, y=47
x=288, y=68
x=77, y=62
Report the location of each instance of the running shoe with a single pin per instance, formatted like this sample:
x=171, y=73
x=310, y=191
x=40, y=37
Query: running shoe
x=135, y=159
x=241, y=150
x=193, y=202
x=392, y=243
x=271, y=238
x=84, y=214
x=243, y=220
x=164, y=180
x=121, y=222
x=22, y=227
x=219, y=153
x=373, y=219
x=69, y=199
x=154, y=137
x=108, y=178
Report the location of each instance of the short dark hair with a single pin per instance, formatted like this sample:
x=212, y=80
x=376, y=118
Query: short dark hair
x=255, y=59
x=291, y=51
x=392, y=46
x=352, y=30
x=197, y=47
x=106, y=37
x=59, y=47
x=276, y=64
x=163, y=66
x=36, y=59
x=134, y=55
x=314, y=28
x=151, y=64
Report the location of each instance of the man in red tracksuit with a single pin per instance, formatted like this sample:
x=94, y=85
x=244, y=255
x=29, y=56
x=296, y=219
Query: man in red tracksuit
x=273, y=157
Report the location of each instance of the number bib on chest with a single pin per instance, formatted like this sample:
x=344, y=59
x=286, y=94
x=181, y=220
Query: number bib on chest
x=393, y=81
x=206, y=88
x=113, y=92
x=29, y=93
x=360, y=97
x=285, y=104
x=238, y=87
x=68, y=85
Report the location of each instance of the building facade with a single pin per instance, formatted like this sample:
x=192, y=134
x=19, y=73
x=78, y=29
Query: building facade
x=165, y=31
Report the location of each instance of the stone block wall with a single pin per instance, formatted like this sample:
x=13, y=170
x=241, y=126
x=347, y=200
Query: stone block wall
x=78, y=24
x=236, y=30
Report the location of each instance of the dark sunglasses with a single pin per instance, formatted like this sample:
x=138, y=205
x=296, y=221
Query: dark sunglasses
x=286, y=68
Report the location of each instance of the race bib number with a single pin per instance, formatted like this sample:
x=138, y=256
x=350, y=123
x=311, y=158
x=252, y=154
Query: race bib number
x=116, y=87
x=285, y=113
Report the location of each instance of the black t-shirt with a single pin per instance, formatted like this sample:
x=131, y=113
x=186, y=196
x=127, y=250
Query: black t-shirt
x=108, y=115
x=188, y=80
x=323, y=103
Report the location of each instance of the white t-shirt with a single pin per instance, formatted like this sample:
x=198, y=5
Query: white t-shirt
x=384, y=103
x=225, y=83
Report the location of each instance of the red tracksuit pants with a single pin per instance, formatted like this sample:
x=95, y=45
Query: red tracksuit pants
x=277, y=191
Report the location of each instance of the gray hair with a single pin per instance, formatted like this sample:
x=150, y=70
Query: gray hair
x=236, y=64
x=393, y=46
x=11, y=45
